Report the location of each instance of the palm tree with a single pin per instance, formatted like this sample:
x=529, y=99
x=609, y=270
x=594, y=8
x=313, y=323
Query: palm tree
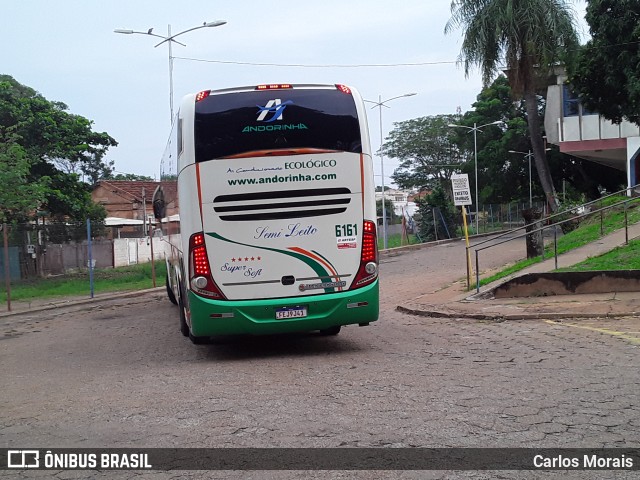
x=528, y=37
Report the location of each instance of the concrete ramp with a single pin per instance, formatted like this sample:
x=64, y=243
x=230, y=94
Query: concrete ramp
x=569, y=283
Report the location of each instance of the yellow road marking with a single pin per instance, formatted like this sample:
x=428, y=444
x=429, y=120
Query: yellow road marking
x=623, y=335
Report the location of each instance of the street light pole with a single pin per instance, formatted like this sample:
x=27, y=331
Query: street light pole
x=379, y=104
x=529, y=155
x=171, y=39
x=475, y=168
x=475, y=129
x=170, y=71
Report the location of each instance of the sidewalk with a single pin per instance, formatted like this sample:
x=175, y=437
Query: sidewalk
x=455, y=302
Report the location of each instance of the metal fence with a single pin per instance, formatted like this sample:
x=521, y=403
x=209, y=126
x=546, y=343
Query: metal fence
x=494, y=217
x=43, y=250
x=491, y=218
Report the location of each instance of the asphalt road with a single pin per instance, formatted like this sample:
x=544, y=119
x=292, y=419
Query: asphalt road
x=119, y=374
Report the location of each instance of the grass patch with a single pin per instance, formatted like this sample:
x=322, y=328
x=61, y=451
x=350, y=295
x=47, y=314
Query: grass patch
x=626, y=257
x=593, y=228
x=396, y=240
x=134, y=277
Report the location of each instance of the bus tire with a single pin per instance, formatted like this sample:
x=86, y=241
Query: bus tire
x=335, y=330
x=172, y=297
x=184, y=328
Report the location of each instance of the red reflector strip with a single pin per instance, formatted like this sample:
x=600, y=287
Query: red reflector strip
x=357, y=305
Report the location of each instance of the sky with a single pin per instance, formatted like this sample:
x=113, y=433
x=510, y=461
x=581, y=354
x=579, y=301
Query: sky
x=67, y=51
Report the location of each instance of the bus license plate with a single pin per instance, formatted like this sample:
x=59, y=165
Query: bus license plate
x=291, y=312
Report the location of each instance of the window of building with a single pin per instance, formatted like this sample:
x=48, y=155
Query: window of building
x=571, y=105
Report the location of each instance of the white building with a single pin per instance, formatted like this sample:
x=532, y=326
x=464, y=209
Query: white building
x=588, y=135
x=400, y=199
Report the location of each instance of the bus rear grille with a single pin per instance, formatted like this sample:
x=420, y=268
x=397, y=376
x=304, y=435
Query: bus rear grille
x=282, y=204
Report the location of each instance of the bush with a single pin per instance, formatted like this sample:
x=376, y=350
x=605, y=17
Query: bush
x=437, y=205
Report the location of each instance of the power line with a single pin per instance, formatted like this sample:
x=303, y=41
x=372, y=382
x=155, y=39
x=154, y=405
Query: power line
x=360, y=65
x=301, y=65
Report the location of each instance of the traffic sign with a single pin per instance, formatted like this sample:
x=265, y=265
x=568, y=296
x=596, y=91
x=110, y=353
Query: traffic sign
x=461, y=190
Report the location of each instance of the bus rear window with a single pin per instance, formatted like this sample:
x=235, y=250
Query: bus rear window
x=236, y=123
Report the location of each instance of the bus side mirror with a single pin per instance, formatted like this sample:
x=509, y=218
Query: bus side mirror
x=159, y=207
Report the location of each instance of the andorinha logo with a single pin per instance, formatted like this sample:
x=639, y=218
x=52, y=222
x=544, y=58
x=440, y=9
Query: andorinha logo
x=276, y=107
x=274, y=128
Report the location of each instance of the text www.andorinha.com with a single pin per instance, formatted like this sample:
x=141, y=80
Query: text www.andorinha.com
x=283, y=179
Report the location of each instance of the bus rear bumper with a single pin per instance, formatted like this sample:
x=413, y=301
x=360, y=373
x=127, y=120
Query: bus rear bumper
x=258, y=317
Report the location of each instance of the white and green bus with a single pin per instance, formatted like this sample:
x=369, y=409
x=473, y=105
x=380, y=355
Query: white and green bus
x=277, y=211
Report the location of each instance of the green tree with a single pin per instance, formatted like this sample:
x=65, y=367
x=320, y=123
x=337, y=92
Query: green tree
x=18, y=196
x=128, y=176
x=528, y=37
x=427, y=155
x=55, y=149
x=50, y=134
x=606, y=74
x=389, y=208
x=430, y=150
x=504, y=176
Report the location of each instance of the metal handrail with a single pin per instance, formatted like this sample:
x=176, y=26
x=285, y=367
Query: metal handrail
x=509, y=232
x=553, y=225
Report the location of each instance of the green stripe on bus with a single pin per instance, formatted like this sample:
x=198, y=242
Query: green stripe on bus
x=315, y=265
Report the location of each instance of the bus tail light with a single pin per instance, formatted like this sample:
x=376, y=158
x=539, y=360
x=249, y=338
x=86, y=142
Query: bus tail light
x=200, y=279
x=274, y=86
x=368, y=271
x=202, y=95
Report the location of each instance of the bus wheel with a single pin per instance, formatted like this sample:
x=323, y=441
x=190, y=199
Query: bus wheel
x=331, y=330
x=170, y=294
x=184, y=328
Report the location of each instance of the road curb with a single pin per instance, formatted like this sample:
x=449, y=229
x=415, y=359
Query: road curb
x=81, y=302
x=510, y=316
